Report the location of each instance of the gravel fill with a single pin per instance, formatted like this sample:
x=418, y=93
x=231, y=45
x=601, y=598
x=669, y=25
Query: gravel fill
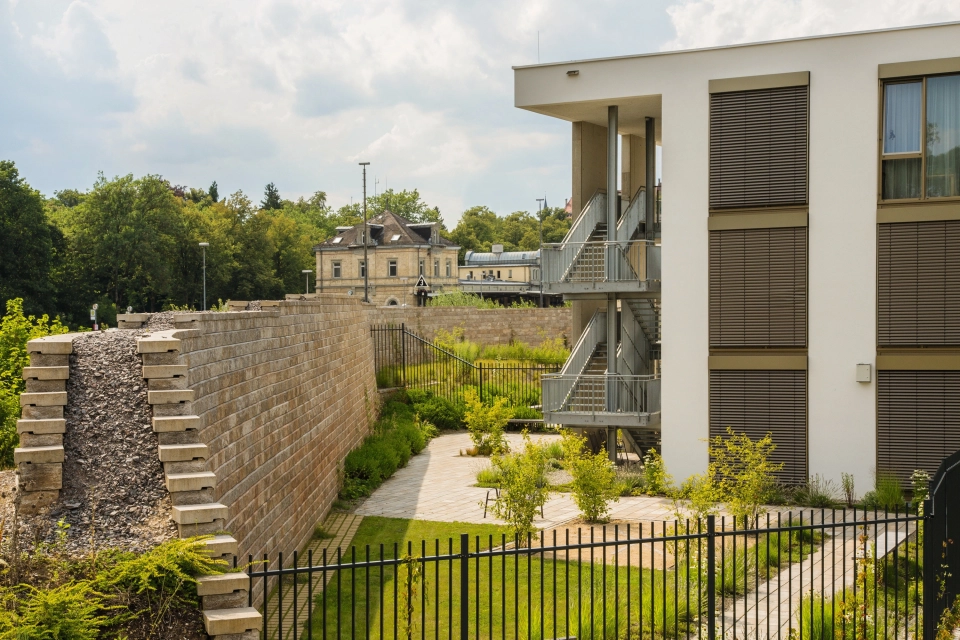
x=113, y=491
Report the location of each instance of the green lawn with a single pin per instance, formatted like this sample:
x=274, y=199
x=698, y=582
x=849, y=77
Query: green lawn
x=506, y=598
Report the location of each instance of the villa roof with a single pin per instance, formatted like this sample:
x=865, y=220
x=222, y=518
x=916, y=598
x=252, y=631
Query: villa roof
x=387, y=229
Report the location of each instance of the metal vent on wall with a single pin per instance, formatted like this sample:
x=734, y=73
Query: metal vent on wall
x=918, y=420
x=758, y=287
x=758, y=402
x=918, y=284
x=758, y=148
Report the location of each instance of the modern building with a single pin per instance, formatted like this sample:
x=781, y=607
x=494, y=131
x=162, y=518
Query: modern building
x=400, y=253
x=811, y=248
x=505, y=276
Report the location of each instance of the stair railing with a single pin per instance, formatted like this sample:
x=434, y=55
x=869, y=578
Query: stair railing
x=557, y=394
x=558, y=258
x=634, y=215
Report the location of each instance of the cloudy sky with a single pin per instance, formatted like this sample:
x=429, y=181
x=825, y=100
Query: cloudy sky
x=297, y=92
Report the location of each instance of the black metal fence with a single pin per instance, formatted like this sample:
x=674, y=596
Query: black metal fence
x=404, y=359
x=811, y=575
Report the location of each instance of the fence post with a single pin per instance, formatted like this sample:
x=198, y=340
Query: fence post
x=464, y=586
x=403, y=354
x=711, y=578
x=481, y=381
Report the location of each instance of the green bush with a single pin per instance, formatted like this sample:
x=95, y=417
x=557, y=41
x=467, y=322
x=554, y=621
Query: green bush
x=818, y=492
x=594, y=484
x=74, y=610
x=446, y=415
x=655, y=477
x=487, y=423
x=631, y=479
x=523, y=487
x=887, y=493
x=488, y=477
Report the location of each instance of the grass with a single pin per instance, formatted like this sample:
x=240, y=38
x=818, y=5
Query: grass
x=523, y=595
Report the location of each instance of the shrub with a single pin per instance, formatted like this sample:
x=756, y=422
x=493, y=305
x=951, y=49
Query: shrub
x=487, y=423
x=630, y=479
x=849, y=494
x=73, y=610
x=887, y=493
x=445, y=414
x=655, y=476
x=594, y=483
x=818, y=492
x=488, y=477
x=696, y=498
x=463, y=299
x=554, y=450
x=523, y=487
x=743, y=473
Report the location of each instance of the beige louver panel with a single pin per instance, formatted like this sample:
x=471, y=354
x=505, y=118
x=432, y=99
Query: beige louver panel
x=918, y=420
x=758, y=288
x=758, y=148
x=758, y=402
x=918, y=284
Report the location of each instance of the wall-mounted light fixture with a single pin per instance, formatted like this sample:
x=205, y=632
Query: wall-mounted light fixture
x=863, y=372
x=573, y=72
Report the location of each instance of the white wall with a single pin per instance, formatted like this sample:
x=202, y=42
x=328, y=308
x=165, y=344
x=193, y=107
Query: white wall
x=842, y=222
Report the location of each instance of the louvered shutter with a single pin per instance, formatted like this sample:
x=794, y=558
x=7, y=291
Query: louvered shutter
x=758, y=287
x=918, y=420
x=918, y=284
x=761, y=402
x=758, y=148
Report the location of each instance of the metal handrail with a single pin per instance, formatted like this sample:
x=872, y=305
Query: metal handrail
x=593, y=213
x=604, y=393
x=631, y=219
x=593, y=334
x=601, y=261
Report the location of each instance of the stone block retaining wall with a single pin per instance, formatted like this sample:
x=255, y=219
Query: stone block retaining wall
x=485, y=326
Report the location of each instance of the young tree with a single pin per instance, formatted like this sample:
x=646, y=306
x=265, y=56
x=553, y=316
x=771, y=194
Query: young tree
x=743, y=473
x=523, y=487
x=487, y=423
x=214, y=192
x=594, y=478
x=271, y=198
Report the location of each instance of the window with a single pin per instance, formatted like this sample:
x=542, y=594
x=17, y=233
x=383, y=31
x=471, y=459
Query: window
x=510, y=274
x=470, y=275
x=921, y=144
x=362, y=269
x=758, y=148
x=421, y=267
x=436, y=268
x=363, y=237
x=336, y=269
x=392, y=268
x=337, y=240
x=498, y=274
x=448, y=268
x=395, y=237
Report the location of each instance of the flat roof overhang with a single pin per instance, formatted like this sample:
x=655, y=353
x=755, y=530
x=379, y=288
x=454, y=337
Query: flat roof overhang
x=632, y=115
x=601, y=419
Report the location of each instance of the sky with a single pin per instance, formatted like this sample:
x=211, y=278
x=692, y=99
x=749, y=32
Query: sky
x=297, y=93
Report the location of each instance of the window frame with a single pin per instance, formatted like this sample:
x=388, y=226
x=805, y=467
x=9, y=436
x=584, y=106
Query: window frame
x=422, y=266
x=436, y=268
x=392, y=265
x=907, y=155
x=336, y=269
x=449, y=269
x=361, y=268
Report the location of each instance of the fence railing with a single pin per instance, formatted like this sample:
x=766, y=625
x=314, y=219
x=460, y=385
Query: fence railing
x=602, y=393
x=404, y=359
x=812, y=575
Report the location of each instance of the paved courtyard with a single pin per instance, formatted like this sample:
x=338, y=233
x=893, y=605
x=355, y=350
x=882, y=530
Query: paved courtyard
x=438, y=485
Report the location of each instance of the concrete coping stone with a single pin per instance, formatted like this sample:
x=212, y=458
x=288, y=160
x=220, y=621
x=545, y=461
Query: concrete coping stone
x=199, y=513
x=157, y=344
x=221, y=545
x=133, y=317
x=44, y=399
x=38, y=455
x=152, y=372
x=170, y=396
x=167, y=424
x=52, y=345
x=46, y=373
x=222, y=584
x=180, y=318
x=182, y=452
x=196, y=481
x=43, y=426
x=226, y=621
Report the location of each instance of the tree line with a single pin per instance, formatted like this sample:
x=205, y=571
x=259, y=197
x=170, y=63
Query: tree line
x=135, y=242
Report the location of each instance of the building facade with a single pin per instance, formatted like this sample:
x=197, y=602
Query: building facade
x=811, y=247
x=505, y=276
x=399, y=252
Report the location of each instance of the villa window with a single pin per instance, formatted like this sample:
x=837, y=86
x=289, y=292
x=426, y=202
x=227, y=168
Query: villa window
x=392, y=268
x=921, y=138
x=436, y=268
x=510, y=274
x=448, y=268
x=337, y=272
x=362, y=269
x=421, y=268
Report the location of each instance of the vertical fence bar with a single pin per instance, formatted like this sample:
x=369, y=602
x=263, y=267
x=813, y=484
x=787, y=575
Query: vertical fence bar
x=464, y=586
x=711, y=578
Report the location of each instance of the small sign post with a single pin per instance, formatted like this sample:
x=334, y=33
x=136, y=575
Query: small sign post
x=421, y=291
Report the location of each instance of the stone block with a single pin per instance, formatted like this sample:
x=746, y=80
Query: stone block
x=182, y=452
x=46, y=373
x=33, y=412
x=157, y=345
x=199, y=513
x=167, y=384
x=185, y=466
x=201, y=528
x=191, y=481
x=28, y=440
x=170, y=410
x=123, y=324
x=164, y=371
x=203, y=496
x=231, y=600
x=179, y=437
x=222, y=545
x=237, y=305
x=161, y=359
x=37, y=455
x=58, y=425
x=45, y=386
x=175, y=396
x=52, y=345
x=224, y=621
x=52, y=399
x=175, y=423
x=184, y=318
x=221, y=584
x=34, y=502
x=40, y=477
x=247, y=635
x=49, y=360
x=133, y=317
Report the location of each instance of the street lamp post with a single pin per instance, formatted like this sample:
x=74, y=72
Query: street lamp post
x=204, y=245
x=540, y=203
x=366, y=263
x=306, y=274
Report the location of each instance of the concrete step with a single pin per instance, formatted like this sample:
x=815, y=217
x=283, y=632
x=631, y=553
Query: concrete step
x=175, y=396
x=221, y=584
x=46, y=373
x=49, y=399
x=175, y=423
x=38, y=455
x=182, y=452
x=164, y=371
x=219, y=622
x=199, y=513
x=222, y=545
x=191, y=481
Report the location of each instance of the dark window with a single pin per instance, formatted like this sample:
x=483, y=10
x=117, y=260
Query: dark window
x=758, y=148
x=336, y=269
x=392, y=268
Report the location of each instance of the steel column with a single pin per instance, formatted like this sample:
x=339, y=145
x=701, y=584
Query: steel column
x=650, y=202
